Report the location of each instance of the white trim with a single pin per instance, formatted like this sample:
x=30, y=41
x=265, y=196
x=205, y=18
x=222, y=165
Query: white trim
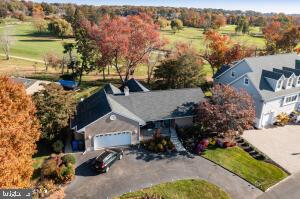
x=291, y=102
x=246, y=78
x=231, y=68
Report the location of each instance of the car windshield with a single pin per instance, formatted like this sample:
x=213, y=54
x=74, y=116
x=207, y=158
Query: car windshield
x=103, y=155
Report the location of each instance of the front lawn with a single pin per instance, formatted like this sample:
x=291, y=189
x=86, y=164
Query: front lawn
x=259, y=173
x=192, y=189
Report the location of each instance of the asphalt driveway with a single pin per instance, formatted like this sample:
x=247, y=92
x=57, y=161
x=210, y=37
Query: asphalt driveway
x=139, y=169
x=281, y=144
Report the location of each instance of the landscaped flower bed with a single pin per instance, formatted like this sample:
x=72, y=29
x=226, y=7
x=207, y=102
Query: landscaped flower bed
x=195, y=140
x=158, y=143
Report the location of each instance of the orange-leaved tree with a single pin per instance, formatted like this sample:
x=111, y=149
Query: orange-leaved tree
x=221, y=50
x=19, y=132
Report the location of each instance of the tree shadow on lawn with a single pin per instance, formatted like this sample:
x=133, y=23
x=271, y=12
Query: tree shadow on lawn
x=142, y=154
x=37, y=40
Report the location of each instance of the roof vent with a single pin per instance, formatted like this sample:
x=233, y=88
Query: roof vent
x=126, y=91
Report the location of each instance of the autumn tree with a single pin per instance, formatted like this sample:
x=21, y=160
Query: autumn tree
x=162, y=22
x=40, y=24
x=37, y=11
x=281, y=38
x=227, y=110
x=126, y=42
x=176, y=25
x=60, y=27
x=181, y=70
x=19, y=132
x=55, y=107
x=221, y=50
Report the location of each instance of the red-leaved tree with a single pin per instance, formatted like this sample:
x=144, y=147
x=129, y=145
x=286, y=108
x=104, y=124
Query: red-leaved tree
x=227, y=110
x=126, y=42
x=221, y=50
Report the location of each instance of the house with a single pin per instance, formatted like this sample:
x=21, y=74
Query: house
x=31, y=85
x=273, y=81
x=124, y=116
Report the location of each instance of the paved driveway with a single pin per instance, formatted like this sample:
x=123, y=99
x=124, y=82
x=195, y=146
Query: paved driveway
x=281, y=144
x=140, y=169
x=286, y=189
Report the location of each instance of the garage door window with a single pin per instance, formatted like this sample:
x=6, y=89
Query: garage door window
x=112, y=139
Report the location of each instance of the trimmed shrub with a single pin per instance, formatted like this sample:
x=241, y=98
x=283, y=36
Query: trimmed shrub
x=49, y=168
x=58, y=146
x=66, y=172
x=68, y=159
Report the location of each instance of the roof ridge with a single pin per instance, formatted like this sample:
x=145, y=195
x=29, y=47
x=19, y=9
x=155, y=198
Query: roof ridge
x=264, y=56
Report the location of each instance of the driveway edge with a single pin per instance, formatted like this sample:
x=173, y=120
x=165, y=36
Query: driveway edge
x=233, y=173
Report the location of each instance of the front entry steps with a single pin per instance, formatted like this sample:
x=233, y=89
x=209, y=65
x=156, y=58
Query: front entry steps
x=176, y=141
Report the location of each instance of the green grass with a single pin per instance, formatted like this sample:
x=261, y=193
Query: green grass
x=27, y=43
x=195, y=36
x=259, y=173
x=182, y=189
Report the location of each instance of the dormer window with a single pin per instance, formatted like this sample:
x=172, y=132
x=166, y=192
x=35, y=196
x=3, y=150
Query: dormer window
x=246, y=81
x=233, y=74
x=279, y=84
x=290, y=82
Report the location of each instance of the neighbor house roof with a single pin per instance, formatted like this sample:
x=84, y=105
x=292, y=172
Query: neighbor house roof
x=31, y=85
x=135, y=86
x=269, y=63
x=139, y=106
x=25, y=81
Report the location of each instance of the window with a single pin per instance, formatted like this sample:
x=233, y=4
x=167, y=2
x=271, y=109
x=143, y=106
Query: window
x=290, y=81
x=290, y=99
x=298, y=81
x=246, y=81
x=232, y=73
x=279, y=84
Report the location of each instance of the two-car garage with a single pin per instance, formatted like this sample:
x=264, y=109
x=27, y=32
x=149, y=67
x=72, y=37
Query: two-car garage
x=112, y=139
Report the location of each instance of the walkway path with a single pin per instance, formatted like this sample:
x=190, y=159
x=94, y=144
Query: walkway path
x=23, y=58
x=175, y=140
x=139, y=169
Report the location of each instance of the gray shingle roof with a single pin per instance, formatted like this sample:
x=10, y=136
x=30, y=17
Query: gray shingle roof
x=139, y=106
x=91, y=109
x=271, y=74
x=111, y=89
x=268, y=63
x=159, y=105
x=221, y=70
x=25, y=81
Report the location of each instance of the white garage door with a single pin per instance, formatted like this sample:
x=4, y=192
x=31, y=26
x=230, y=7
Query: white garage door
x=267, y=119
x=112, y=139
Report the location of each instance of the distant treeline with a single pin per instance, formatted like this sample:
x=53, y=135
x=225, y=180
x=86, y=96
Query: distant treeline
x=193, y=17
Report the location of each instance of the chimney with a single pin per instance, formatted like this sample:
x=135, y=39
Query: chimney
x=126, y=91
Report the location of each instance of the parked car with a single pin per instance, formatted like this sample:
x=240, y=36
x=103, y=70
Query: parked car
x=103, y=162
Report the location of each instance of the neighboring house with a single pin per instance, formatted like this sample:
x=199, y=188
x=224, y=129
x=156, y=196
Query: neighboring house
x=273, y=82
x=112, y=117
x=31, y=85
